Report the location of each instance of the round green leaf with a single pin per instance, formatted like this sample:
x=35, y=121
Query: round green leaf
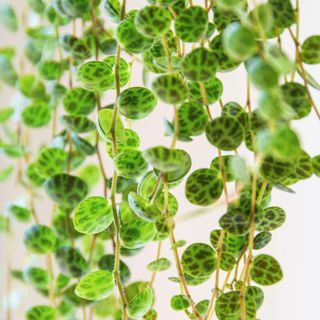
x=199, y=65
x=71, y=262
x=36, y=115
x=199, y=260
x=136, y=233
x=153, y=21
x=261, y=240
x=143, y=208
x=140, y=304
x=41, y=313
x=37, y=277
x=92, y=215
x=159, y=265
x=265, y=270
x=213, y=88
x=136, y=102
x=239, y=42
x=95, y=76
x=131, y=39
x=51, y=161
x=20, y=213
x=225, y=133
x=104, y=122
x=96, y=285
x=192, y=119
x=296, y=96
x=191, y=24
x=204, y=187
x=65, y=189
x=77, y=123
x=79, y=101
x=39, y=239
x=270, y=219
x=170, y=89
x=106, y=262
x=310, y=50
x=179, y=302
x=130, y=164
x=262, y=74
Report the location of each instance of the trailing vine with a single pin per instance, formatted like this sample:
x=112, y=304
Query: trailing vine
x=74, y=77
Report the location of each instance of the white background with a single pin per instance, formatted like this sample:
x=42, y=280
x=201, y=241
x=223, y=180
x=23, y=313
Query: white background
x=295, y=245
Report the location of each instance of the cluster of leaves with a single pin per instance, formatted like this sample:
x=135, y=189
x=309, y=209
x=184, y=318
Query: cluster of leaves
x=185, y=47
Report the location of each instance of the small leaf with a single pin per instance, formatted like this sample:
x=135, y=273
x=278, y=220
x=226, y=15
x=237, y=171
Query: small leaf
x=261, y=240
x=265, y=270
x=136, y=233
x=71, y=262
x=106, y=262
x=96, y=285
x=41, y=313
x=40, y=239
x=179, y=302
x=6, y=173
x=179, y=244
x=143, y=208
x=311, y=80
x=92, y=215
x=140, y=304
x=8, y=17
x=199, y=259
x=159, y=265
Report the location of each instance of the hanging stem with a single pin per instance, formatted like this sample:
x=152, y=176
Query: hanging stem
x=157, y=258
x=116, y=271
x=174, y=249
x=303, y=72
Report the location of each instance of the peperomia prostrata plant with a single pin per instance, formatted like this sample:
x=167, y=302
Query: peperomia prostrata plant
x=75, y=77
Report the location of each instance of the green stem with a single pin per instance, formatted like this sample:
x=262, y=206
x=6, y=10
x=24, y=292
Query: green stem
x=116, y=271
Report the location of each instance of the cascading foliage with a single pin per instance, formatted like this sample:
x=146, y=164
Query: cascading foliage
x=74, y=75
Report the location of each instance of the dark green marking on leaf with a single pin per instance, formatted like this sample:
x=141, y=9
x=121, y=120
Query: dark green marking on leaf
x=36, y=115
x=140, y=304
x=51, y=161
x=265, y=270
x=170, y=89
x=199, y=260
x=136, y=102
x=199, y=65
x=136, y=233
x=270, y=218
x=143, y=208
x=78, y=123
x=204, y=187
x=41, y=312
x=96, y=285
x=71, y=262
x=130, y=164
x=95, y=76
x=159, y=265
x=225, y=133
x=39, y=239
x=66, y=189
x=191, y=24
x=153, y=21
x=79, y=101
x=179, y=302
x=261, y=240
x=106, y=262
x=92, y=215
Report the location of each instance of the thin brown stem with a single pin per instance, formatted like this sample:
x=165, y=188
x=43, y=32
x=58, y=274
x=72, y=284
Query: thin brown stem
x=303, y=72
x=205, y=98
x=153, y=276
x=174, y=249
x=116, y=271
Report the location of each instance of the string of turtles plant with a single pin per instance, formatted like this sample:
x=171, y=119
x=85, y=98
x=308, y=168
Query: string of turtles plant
x=183, y=46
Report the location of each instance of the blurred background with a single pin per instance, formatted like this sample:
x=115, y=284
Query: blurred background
x=295, y=245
